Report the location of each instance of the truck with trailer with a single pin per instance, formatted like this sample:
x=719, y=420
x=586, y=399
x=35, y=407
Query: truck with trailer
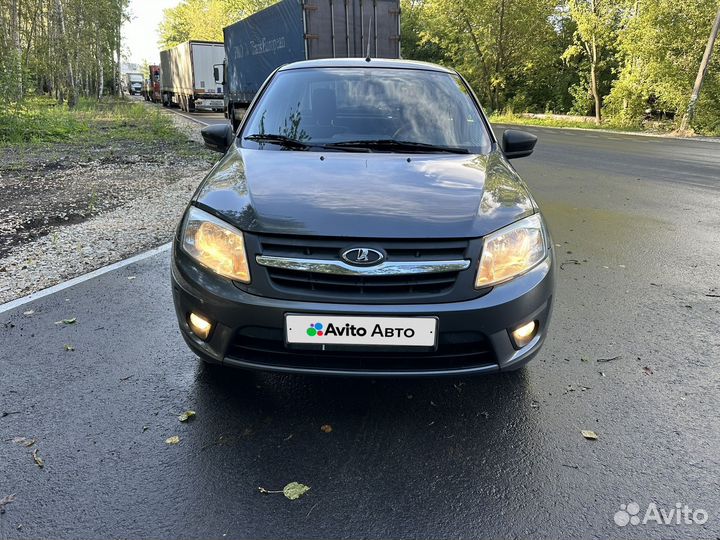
x=187, y=79
x=294, y=30
x=151, y=92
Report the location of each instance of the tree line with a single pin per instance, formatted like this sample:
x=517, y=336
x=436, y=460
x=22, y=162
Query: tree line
x=627, y=61
x=62, y=48
x=204, y=19
x=623, y=61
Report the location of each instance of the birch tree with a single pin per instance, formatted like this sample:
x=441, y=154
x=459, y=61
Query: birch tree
x=596, y=22
x=59, y=47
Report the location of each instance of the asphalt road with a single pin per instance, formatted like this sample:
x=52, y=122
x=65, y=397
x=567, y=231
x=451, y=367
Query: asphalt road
x=635, y=221
x=203, y=117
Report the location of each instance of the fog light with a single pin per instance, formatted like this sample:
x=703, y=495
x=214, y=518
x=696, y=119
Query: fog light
x=522, y=335
x=201, y=327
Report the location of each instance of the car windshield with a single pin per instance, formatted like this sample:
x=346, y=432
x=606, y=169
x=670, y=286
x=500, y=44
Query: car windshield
x=366, y=109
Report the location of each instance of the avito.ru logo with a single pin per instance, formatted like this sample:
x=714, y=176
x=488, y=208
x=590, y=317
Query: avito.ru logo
x=679, y=515
x=316, y=329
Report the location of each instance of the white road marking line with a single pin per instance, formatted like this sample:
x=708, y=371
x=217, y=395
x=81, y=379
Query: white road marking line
x=85, y=277
x=192, y=118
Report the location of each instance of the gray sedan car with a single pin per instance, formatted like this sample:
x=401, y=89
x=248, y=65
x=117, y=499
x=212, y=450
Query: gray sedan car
x=364, y=220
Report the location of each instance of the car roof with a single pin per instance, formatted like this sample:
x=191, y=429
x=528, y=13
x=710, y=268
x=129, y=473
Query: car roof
x=364, y=63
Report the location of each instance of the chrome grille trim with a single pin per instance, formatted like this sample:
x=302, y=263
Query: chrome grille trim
x=387, y=268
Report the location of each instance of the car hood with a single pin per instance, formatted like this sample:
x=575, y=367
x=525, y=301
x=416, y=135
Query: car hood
x=365, y=195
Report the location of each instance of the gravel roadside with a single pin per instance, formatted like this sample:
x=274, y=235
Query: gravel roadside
x=53, y=234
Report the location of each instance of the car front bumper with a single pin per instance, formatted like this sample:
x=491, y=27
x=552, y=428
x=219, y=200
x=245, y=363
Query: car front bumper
x=248, y=330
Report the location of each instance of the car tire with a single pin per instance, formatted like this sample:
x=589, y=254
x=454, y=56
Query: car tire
x=234, y=122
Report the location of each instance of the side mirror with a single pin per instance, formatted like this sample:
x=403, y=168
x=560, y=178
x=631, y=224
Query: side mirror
x=218, y=137
x=216, y=73
x=518, y=144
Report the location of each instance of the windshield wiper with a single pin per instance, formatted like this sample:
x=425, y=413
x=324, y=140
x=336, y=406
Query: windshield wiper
x=392, y=144
x=282, y=140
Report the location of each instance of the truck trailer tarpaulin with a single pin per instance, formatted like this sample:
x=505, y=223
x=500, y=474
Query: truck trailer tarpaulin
x=294, y=30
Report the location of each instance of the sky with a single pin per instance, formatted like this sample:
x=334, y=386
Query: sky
x=140, y=35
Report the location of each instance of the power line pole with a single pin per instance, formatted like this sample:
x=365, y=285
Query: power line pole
x=688, y=118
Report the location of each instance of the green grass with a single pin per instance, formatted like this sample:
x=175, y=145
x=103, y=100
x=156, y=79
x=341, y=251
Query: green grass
x=41, y=120
x=511, y=118
x=569, y=122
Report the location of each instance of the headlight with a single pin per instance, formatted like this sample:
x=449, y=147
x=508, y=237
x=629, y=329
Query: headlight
x=511, y=251
x=216, y=245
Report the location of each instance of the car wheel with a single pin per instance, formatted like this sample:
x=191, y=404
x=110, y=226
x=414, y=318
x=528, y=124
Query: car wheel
x=233, y=119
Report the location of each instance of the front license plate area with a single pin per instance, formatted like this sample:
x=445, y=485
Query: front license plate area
x=339, y=332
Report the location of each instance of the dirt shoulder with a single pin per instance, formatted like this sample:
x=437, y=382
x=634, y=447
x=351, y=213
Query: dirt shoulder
x=69, y=208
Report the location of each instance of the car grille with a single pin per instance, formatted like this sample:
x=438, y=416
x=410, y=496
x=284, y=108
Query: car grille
x=363, y=286
x=456, y=350
x=388, y=288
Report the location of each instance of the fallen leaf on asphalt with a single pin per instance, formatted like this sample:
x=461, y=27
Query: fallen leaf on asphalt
x=647, y=370
x=187, y=415
x=69, y=347
x=590, y=435
x=5, y=501
x=326, y=428
x=609, y=359
x=292, y=491
x=173, y=440
x=27, y=443
x=38, y=460
x=29, y=312
x=67, y=321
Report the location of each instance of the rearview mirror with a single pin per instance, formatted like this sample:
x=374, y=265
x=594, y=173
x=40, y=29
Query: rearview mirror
x=217, y=70
x=218, y=137
x=517, y=144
